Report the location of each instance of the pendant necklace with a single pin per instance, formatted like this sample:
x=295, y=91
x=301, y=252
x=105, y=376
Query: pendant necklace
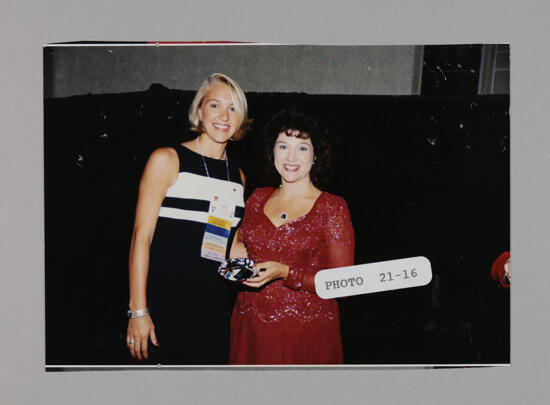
x=204, y=161
x=283, y=215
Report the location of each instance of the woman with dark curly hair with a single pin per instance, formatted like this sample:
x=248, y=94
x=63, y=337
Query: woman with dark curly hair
x=291, y=232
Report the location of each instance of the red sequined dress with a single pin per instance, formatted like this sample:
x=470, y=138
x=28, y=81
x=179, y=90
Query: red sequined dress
x=285, y=322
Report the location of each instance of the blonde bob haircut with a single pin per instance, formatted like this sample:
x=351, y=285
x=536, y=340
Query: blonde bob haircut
x=239, y=100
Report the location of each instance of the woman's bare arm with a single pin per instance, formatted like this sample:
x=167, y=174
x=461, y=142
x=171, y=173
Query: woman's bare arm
x=160, y=172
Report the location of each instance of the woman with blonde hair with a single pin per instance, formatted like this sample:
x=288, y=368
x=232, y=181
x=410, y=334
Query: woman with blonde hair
x=189, y=205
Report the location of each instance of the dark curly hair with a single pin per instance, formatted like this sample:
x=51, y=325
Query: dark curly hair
x=288, y=121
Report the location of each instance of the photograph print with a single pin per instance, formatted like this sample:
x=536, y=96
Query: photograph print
x=193, y=191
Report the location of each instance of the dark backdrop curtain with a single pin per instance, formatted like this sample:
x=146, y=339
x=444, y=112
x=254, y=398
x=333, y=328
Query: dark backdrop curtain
x=422, y=175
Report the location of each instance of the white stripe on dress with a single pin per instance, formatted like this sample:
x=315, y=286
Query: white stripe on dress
x=197, y=187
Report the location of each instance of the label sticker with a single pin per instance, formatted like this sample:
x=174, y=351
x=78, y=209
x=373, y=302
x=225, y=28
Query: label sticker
x=373, y=277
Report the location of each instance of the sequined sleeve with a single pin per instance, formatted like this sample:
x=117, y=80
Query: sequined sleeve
x=340, y=236
x=339, y=244
x=297, y=279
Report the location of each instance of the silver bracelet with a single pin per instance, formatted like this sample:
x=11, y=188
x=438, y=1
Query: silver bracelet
x=138, y=313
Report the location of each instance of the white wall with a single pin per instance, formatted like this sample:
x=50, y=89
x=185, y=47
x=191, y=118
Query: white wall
x=381, y=70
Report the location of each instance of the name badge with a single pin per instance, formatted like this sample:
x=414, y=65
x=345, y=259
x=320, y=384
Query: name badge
x=216, y=233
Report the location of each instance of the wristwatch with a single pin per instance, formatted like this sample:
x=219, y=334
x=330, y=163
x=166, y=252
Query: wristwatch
x=138, y=313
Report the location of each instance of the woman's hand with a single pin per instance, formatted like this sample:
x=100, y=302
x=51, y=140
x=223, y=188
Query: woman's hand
x=268, y=271
x=139, y=332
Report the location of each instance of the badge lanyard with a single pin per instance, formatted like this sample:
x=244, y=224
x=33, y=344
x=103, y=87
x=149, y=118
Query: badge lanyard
x=218, y=227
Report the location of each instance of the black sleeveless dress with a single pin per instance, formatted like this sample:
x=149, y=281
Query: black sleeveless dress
x=190, y=302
